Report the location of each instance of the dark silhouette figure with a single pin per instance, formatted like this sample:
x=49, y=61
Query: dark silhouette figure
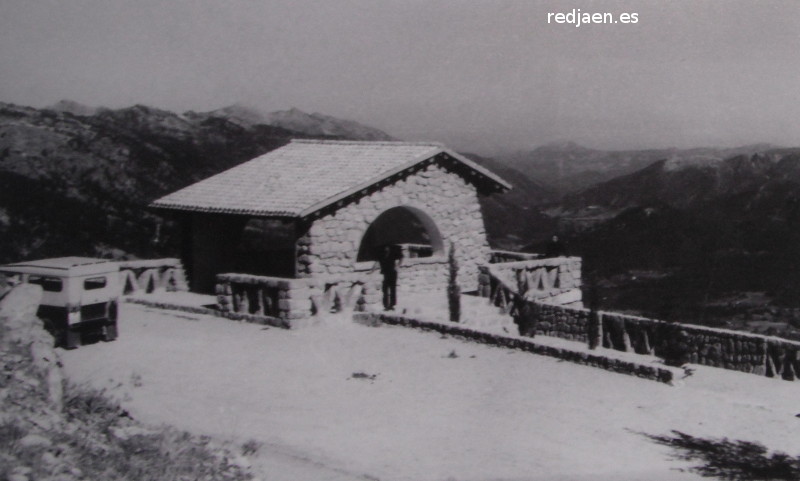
x=389, y=260
x=555, y=248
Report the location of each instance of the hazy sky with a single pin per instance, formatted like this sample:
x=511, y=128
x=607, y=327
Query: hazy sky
x=478, y=75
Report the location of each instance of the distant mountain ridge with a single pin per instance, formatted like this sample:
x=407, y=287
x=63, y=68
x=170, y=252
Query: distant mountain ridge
x=295, y=120
x=569, y=167
x=689, y=185
x=72, y=107
x=77, y=179
x=674, y=241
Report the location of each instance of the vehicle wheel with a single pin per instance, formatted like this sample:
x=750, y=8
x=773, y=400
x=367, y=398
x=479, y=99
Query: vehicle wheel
x=112, y=312
x=72, y=338
x=110, y=331
x=59, y=337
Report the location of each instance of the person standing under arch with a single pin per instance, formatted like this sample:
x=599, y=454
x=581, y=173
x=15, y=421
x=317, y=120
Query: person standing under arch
x=389, y=261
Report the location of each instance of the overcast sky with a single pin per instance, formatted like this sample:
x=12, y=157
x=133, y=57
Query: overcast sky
x=479, y=75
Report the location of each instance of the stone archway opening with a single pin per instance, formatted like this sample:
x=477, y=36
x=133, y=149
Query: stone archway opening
x=406, y=226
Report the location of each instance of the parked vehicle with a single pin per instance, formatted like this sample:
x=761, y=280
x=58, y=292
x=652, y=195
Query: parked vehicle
x=80, y=295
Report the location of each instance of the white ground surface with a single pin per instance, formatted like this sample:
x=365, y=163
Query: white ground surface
x=488, y=414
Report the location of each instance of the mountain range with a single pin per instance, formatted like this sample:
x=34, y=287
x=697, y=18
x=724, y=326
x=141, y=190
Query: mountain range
x=568, y=167
x=78, y=184
x=77, y=180
x=679, y=238
x=668, y=233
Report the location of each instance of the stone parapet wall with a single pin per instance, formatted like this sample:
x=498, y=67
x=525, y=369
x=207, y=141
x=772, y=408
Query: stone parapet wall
x=677, y=343
x=694, y=344
x=331, y=244
x=571, y=324
x=606, y=361
x=783, y=359
x=498, y=256
x=148, y=275
x=234, y=316
x=423, y=274
x=554, y=280
x=292, y=299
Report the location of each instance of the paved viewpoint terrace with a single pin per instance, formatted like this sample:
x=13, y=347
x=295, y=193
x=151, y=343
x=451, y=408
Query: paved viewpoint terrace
x=437, y=408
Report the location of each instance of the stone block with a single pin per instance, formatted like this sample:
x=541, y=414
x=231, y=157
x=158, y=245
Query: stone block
x=294, y=305
x=293, y=315
x=297, y=293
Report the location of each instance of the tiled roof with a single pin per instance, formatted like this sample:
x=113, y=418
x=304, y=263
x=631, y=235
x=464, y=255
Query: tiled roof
x=304, y=176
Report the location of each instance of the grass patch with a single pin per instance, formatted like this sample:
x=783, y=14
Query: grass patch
x=731, y=460
x=97, y=439
x=129, y=451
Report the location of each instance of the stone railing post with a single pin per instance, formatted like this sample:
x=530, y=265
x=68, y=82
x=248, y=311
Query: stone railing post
x=224, y=294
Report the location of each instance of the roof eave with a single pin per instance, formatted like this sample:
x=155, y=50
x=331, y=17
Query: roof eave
x=221, y=210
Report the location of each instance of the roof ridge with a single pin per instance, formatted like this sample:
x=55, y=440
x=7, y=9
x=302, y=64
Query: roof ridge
x=368, y=142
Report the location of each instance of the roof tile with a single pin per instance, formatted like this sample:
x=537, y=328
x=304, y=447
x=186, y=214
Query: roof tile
x=301, y=175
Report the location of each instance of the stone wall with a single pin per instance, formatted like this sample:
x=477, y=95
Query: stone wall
x=149, y=275
x=295, y=299
x=594, y=359
x=422, y=274
x=331, y=242
x=572, y=324
x=686, y=343
x=676, y=343
x=555, y=280
x=498, y=256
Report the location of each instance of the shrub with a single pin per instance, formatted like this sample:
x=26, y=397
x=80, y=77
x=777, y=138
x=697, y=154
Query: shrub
x=453, y=289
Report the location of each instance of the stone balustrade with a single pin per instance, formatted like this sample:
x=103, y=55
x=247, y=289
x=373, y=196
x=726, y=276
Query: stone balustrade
x=554, y=280
x=302, y=298
x=675, y=342
x=151, y=275
x=498, y=256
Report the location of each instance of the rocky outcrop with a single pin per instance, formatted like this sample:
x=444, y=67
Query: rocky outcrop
x=24, y=339
x=323, y=125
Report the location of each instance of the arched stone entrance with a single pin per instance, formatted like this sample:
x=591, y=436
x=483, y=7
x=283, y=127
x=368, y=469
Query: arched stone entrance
x=405, y=226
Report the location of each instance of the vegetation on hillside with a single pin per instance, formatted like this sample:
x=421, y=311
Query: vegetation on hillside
x=699, y=245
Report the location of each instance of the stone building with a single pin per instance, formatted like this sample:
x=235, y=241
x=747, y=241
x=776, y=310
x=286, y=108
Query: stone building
x=322, y=209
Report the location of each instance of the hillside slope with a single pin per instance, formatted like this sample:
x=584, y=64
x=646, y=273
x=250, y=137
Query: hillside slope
x=79, y=184
x=694, y=242
x=76, y=180
x=514, y=219
x=569, y=167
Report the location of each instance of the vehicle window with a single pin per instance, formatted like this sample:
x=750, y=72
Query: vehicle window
x=49, y=284
x=94, y=283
